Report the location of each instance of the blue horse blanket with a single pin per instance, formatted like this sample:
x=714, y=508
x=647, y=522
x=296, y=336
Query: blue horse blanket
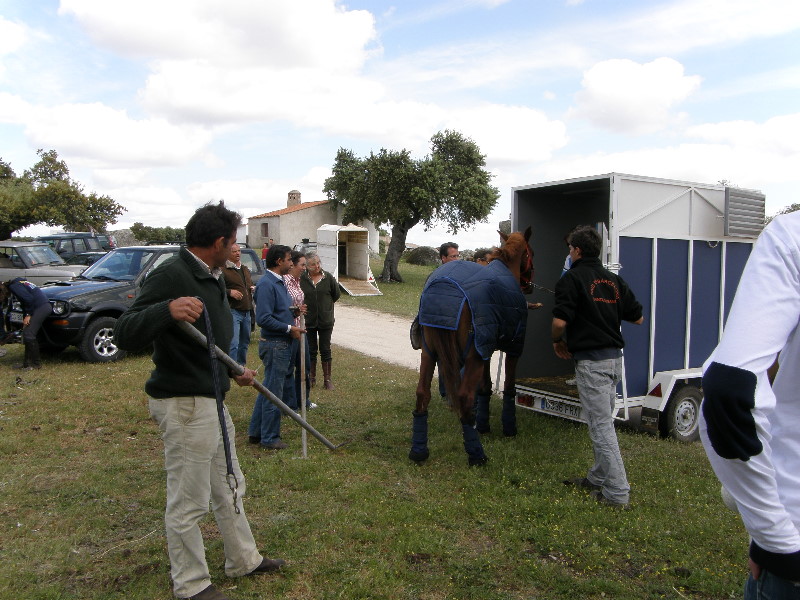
x=499, y=310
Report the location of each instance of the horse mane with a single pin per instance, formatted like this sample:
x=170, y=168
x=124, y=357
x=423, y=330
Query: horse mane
x=513, y=245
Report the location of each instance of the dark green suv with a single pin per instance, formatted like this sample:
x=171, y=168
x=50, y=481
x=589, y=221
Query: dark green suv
x=68, y=245
x=86, y=308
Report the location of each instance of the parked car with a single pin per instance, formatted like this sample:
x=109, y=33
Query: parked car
x=252, y=260
x=305, y=246
x=86, y=258
x=36, y=261
x=86, y=309
x=69, y=244
x=107, y=241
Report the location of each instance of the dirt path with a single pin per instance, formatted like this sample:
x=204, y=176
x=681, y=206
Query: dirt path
x=380, y=335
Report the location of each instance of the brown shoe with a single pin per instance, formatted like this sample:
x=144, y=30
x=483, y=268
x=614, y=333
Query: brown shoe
x=210, y=593
x=268, y=565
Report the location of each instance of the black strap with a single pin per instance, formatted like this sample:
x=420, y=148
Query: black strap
x=233, y=483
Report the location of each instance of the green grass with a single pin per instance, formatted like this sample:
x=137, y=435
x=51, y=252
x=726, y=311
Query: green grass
x=401, y=299
x=81, y=510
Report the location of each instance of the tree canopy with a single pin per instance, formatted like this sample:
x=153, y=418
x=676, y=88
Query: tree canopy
x=449, y=186
x=47, y=194
x=144, y=233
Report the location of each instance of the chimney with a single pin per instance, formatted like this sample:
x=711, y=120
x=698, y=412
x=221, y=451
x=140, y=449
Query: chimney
x=294, y=199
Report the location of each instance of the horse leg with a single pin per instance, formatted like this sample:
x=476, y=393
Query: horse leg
x=419, y=428
x=473, y=373
x=509, y=415
x=482, y=397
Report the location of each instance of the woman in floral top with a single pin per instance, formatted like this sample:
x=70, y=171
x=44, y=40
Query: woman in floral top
x=292, y=281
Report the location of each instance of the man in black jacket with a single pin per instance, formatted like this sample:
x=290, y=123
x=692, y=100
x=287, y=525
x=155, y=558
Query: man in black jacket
x=182, y=401
x=591, y=303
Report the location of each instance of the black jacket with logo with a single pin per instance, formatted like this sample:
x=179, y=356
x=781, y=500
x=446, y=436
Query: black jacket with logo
x=594, y=302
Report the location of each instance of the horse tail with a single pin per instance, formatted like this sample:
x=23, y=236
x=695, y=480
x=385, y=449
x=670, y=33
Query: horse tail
x=448, y=347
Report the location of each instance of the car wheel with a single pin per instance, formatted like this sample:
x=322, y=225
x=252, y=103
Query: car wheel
x=98, y=344
x=681, y=419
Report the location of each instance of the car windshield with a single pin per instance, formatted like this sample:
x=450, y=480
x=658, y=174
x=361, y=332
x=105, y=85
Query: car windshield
x=36, y=256
x=249, y=262
x=120, y=265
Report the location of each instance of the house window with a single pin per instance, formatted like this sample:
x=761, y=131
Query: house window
x=265, y=230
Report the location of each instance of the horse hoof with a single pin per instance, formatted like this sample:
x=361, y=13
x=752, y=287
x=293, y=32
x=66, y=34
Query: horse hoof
x=510, y=432
x=478, y=461
x=418, y=457
x=483, y=430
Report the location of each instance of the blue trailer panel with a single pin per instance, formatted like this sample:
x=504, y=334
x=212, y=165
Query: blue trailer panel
x=680, y=246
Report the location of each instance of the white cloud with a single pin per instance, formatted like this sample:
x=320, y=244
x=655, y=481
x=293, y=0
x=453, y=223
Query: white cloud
x=509, y=134
x=103, y=137
x=626, y=97
x=12, y=36
x=308, y=34
x=680, y=26
x=778, y=136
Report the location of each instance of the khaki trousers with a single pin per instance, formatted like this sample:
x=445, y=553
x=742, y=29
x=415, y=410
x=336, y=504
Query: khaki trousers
x=194, y=460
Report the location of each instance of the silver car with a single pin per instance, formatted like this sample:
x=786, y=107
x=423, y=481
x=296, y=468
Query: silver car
x=35, y=261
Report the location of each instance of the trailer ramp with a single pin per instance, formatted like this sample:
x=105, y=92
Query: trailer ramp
x=359, y=287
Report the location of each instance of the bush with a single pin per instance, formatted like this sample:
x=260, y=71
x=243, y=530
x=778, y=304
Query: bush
x=423, y=255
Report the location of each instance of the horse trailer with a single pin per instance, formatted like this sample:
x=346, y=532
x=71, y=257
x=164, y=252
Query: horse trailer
x=680, y=246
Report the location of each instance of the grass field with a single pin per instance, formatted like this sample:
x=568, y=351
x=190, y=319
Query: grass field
x=82, y=483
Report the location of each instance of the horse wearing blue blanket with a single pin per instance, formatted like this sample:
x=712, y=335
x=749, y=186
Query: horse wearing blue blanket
x=466, y=312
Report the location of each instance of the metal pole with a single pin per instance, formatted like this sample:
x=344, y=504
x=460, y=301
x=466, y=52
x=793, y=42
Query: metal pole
x=303, y=436
x=239, y=369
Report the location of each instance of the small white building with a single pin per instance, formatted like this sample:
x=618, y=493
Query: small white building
x=344, y=252
x=298, y=221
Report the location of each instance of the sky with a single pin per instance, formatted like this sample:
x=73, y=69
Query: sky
x=165, y=105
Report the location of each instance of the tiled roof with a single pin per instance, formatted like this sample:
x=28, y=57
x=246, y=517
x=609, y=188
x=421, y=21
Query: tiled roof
x=290, y=209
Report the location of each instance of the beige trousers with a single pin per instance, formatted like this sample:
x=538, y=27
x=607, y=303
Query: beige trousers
x=194, y=460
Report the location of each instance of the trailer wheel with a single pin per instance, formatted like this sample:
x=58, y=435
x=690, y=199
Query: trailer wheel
x=98, y=344
x=681, y=419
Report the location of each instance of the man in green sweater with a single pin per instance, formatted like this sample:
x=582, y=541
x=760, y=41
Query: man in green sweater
x=182, y=401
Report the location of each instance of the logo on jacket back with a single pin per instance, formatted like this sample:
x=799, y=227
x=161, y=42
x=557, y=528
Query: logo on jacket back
x=604, y=290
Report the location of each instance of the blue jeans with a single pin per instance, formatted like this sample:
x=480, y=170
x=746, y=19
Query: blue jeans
x=276, y=354
x=597, y=387
x=771, y=587
x=241, y=335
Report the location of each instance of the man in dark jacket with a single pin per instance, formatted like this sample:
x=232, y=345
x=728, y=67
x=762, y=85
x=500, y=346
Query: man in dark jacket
x=240, y=297
x=183, y=403
x=591, y=303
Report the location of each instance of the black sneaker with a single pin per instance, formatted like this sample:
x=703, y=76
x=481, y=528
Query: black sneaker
x=582, y=482
x=598, y=495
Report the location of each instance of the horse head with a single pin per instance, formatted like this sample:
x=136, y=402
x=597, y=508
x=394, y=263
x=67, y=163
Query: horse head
x=517, y=255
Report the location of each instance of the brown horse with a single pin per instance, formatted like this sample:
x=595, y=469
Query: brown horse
x=466, y=312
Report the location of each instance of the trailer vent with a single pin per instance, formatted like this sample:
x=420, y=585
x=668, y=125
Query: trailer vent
x=744, y=212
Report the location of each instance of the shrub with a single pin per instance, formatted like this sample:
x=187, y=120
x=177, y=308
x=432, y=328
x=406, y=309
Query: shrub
x=423, y=256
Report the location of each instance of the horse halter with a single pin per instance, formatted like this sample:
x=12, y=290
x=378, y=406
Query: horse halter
x=526, y=270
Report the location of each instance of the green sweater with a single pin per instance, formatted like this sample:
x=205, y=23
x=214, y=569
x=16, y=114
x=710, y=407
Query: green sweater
x=181, y=364
x=319, y=299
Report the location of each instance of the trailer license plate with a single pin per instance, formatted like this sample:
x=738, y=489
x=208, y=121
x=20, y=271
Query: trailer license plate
x=561, y=408
x=15, y=317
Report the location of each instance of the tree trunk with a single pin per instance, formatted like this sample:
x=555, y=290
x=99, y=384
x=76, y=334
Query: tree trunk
x=393, y=253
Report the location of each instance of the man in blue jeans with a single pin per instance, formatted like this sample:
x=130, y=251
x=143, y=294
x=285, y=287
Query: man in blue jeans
x=276, y=347
x=240, y=289
x=591, y=303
